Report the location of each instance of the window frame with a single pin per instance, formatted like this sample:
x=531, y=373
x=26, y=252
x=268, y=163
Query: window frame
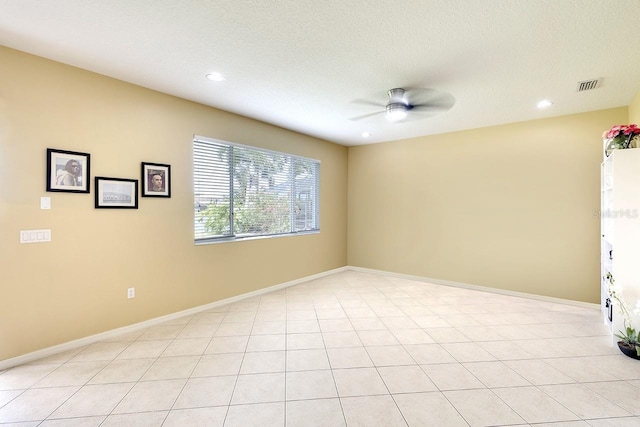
x=232, y=237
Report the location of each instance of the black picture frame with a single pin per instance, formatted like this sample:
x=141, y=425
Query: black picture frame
x=116, y=193
x=156, y=179
x=68, y=171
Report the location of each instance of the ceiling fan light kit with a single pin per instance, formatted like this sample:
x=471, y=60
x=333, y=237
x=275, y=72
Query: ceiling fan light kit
x=396, y=112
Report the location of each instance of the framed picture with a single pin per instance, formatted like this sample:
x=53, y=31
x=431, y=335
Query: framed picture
x=116, y=193
x=156, y=180
x=68, y=171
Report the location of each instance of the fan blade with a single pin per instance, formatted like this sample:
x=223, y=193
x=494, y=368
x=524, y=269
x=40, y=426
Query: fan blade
x=367, y=102
x=364, y=116
x=424, y=96
x=440, y=103
x=419, y=114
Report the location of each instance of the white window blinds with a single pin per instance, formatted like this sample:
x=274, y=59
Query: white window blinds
x=244, y=192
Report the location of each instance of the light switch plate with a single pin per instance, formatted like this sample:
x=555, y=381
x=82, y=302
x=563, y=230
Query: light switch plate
x=35, y=236
x=45, y=202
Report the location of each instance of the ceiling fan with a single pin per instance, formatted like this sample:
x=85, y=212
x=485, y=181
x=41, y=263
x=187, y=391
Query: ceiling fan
x=410, y=103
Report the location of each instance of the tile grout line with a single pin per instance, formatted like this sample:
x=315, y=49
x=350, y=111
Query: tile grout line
x=143, y=374
x=88, y=380
x=195, y=366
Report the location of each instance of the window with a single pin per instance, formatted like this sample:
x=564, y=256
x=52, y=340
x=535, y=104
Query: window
x=245, y=192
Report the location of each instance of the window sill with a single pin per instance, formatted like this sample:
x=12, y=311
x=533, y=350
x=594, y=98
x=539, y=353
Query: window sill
x=216, y=240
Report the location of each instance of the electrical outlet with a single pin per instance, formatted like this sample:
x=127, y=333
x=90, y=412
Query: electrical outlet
x=131, y=293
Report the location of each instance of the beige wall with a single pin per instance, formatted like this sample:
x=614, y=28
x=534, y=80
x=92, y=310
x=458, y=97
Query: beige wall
x=510, y=207
x=634, y=110
x=76, y=285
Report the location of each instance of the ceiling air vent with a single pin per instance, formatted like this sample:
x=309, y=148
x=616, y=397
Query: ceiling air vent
x=588, y=84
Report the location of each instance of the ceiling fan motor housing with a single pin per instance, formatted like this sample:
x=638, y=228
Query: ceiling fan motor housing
x=396, y=96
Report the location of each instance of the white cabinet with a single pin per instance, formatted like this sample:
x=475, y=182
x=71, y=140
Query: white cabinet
x=620, y=229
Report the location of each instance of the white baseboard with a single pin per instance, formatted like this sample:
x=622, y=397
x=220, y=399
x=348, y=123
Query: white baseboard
x=479, y=288
x=50, y=351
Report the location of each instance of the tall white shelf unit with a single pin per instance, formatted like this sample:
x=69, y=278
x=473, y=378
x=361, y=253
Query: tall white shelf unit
x=620, y=229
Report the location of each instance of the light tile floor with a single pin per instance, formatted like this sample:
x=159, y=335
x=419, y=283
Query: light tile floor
x=353, y=349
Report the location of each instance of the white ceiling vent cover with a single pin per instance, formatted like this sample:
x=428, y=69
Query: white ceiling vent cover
x=588, y=84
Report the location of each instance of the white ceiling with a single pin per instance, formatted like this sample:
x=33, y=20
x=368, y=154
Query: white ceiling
x=300, y=64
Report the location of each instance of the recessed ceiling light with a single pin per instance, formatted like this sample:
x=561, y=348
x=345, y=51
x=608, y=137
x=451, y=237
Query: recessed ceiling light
x=545, y=103
x=366, y=134
x=215, y=77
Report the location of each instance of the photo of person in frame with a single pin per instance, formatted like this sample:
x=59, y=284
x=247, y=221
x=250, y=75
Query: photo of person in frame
x=156, y=180
x=70, y=174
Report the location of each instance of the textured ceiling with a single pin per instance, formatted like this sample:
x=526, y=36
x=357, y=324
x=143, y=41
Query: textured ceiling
x=301, y=64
